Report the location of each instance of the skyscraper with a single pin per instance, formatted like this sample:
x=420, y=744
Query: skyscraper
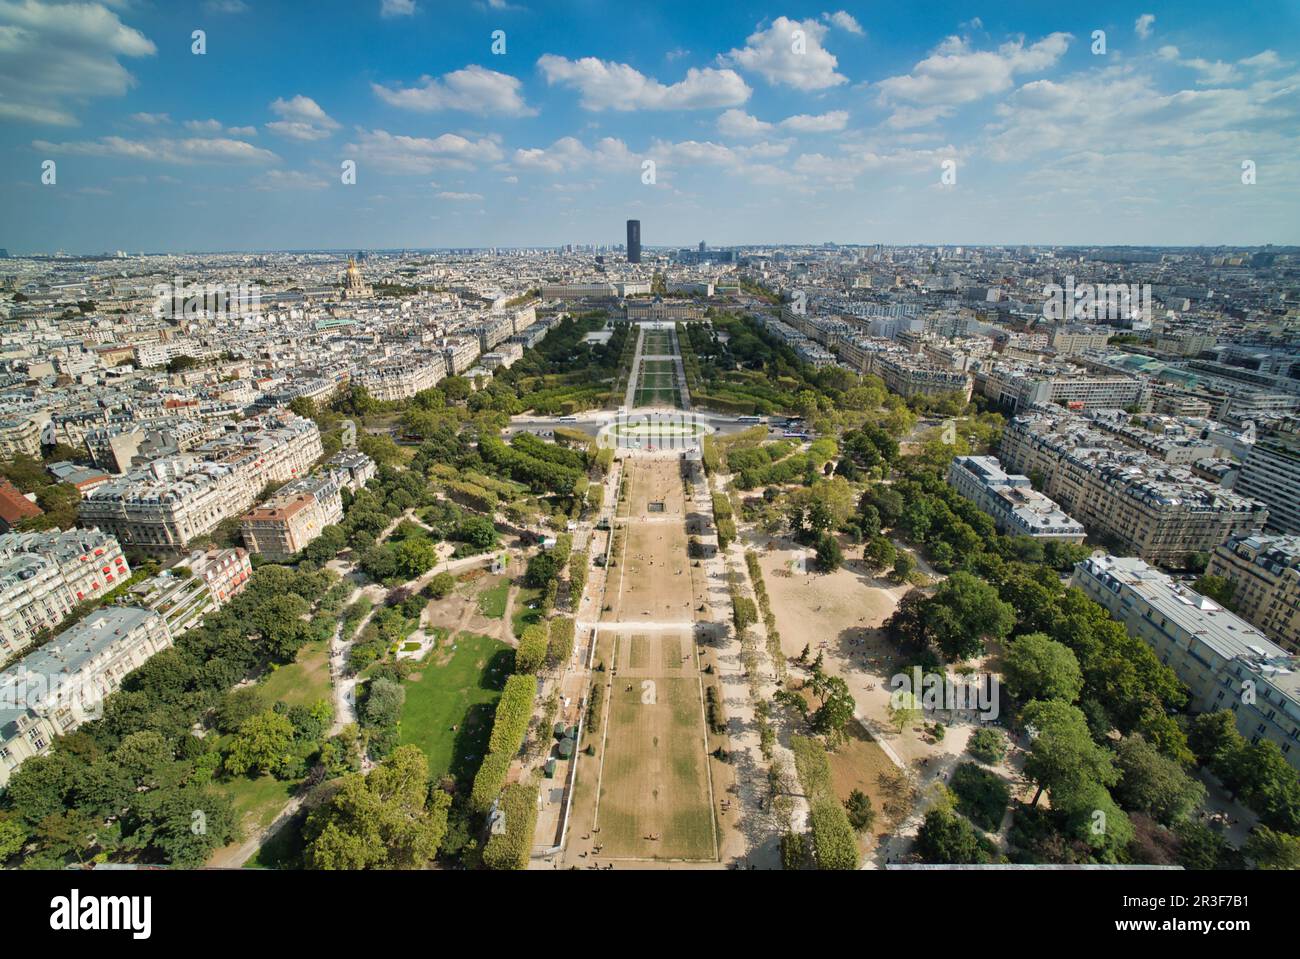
x=634, y=241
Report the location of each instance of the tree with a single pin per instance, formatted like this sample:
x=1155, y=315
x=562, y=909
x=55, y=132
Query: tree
x=262, y=744
x=441, y=585
x=414, y=557
x=836, y=710
x=1040, y=668
x=964, y=612
x=384, y=699
x=904, y=564
x=279, y=621
x=541, y=569
x=1063, y=757
x=829, y=554
x=945, y=837
x=880, y=552
x=1269, y=849
x=12, y=837
x=1153, y=783
x=387, y=820
x=858, y=806
x=1218, y=588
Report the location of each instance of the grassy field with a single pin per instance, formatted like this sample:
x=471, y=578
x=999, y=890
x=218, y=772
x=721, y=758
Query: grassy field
x=302, y=682
x=455, y=688
x=492, y=601
x=522, y=617
x=654, y=776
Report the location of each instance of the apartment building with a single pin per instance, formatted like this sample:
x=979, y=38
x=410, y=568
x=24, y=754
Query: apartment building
x=166, y=504
x=1015, y=506
x=1022, y=385
x=1271, y=474
x=45, y=575
x=1070, y=339
x=292, y=517
x=54, y=690
x=203, y=581
x=20, y=435
x=402, y=378
x=1265, y=576
x=351, y=469
x=1225, y=662
x=1161, y=513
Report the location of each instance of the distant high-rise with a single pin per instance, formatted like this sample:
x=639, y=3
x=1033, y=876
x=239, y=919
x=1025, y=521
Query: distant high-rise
x=703, y=246
x=634, y=241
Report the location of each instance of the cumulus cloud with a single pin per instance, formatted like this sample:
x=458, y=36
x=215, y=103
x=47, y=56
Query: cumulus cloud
x=845, y=21
x=301, y=118
x=474, y=89
x=606, y=85
x=187, y=150
x=954, y=73
x=396, y=8
x=771, y=53
x=459, y=197
x=273, y=180
x=1144, y=25
x=737, y=124
x=393, y=153
x=52, y=53
x=568, y=153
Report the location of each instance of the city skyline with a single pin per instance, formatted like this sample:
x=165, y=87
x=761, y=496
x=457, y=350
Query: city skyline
x=1047, y=141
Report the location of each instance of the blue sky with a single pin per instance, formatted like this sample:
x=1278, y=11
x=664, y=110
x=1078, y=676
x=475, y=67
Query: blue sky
x=792, y=123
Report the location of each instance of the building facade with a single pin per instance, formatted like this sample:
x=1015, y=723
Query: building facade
x=1265, y=575
x=55, y=689
x=1225, y=662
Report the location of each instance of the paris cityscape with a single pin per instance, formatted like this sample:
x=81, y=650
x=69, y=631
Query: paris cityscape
x=517, y=436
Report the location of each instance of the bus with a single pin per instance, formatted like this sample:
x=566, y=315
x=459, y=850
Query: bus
x=568, y=419
x=795, y=435
x=749, y=419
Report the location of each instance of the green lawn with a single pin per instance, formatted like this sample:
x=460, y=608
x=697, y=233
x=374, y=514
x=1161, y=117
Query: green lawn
x=523, y=617
x=302, y=682
x=492, y=601
x=461, y=691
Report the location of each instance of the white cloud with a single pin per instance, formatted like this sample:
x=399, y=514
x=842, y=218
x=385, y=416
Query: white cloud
x=151, y=119
x=1211, y=71
x=301, y=118
x=459, y=197
x=51, y=53
x=845, y=21
x=771, y=54
x=1264, y=60
x=830, y=122
x=396, y=8
x=186, y=151
x=474, y=89
x=288, y=180
x=606, y=85
x=738, y=123
x=203, y=126
x=1143, y=25
x=402, y=154
x=954, y=73
x=568, y=153
x=224, y=6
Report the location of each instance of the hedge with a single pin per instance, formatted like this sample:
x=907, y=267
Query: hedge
x=509, y=849
x=559, y=646
x=834, y=841
x=514, y=710
x=532, y=649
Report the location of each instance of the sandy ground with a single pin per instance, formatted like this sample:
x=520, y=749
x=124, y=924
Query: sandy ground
x=839, y=615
